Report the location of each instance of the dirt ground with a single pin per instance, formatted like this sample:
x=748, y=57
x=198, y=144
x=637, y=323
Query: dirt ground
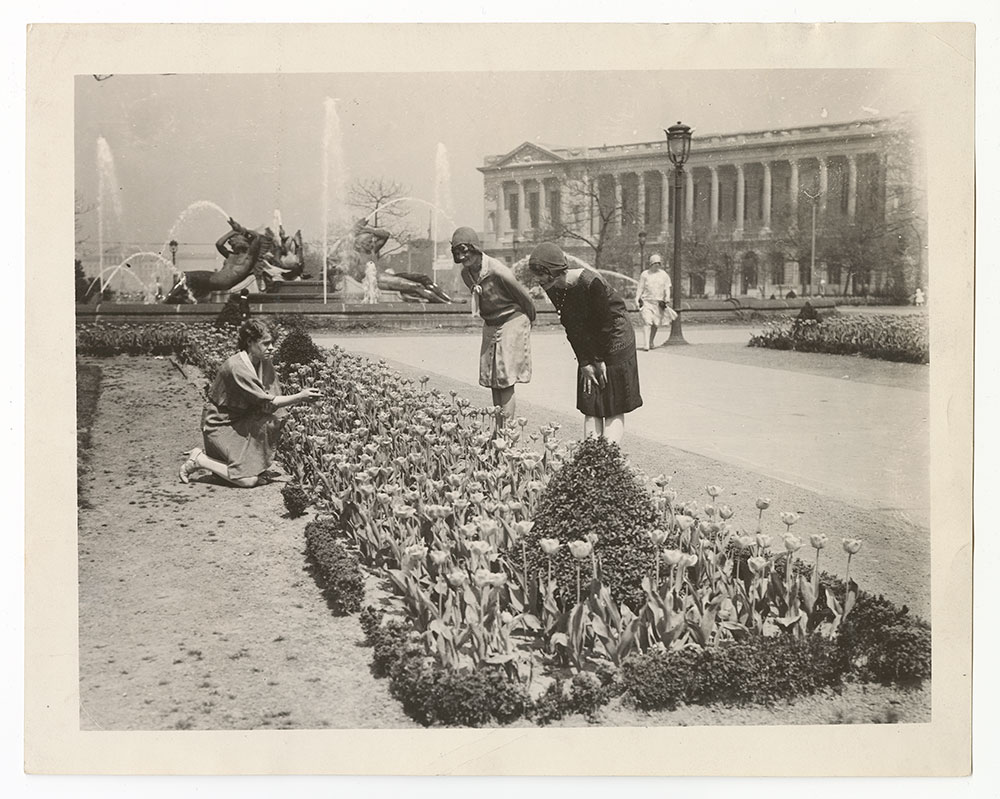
x=197, y=609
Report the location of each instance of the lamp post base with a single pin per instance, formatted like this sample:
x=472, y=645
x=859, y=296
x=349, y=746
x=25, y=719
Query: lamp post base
x=676, y=334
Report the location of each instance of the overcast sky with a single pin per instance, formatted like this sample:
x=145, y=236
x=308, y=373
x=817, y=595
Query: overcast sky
x=254, y=143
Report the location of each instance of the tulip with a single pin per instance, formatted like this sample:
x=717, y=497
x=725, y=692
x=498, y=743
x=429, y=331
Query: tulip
x=439, y=557
x=672, y=556
x=506, y=617
x=549, y=546
x=581, y=549
x=593, y=538
x=745, y=541
x=817, y=540
x=662, y=480
x=481, y=577
x=497, y=579
x=658, y=537
x=763, y=541
x=710, y=511
x=499, y=444
x=757, y=564
x=684, y=522
x=725, y=512
x=457, y=578
x=713, y=491
x=690, y=559
x=851, y=546
x=789, y=518
x=792, y=543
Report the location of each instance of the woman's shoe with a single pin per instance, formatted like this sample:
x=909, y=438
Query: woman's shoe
x=190, y=465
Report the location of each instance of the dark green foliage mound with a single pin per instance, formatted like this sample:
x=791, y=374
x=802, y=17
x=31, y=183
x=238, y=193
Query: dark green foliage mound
x=338, y=569
x=886, y=644
x=230, y=316
x=297, y=347
x=296, y=500
x=757, y=670
x=595, y=492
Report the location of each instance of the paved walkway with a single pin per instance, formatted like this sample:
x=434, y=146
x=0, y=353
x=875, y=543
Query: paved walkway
x=867, y=445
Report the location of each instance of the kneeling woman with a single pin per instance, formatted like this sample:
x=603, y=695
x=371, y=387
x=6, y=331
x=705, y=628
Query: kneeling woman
x=601, y=335
x=242, y=419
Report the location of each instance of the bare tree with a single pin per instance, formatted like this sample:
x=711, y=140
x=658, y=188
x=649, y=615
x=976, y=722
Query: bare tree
x=592, y=217
x=378, y=198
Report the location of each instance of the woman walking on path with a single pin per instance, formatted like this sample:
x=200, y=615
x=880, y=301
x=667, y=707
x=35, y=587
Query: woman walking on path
x=507, y=311
x=242, y=420
x=652, y=295
x=599, y=330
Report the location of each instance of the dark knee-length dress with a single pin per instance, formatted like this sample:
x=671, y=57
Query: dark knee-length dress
x=240, y=425
x=599, y=330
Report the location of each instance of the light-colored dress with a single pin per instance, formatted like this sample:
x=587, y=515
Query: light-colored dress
x=507, y=311
x=654, y=288
x=240, y=425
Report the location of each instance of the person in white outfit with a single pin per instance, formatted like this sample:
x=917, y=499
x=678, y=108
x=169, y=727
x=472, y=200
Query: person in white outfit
x=652, y=295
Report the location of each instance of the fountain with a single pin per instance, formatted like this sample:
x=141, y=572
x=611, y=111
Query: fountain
x=442, y=194
x=108, y=189
x=183, y=216
x=333, y=199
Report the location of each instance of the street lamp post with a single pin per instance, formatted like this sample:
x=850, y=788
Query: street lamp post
x=812, y=243
x=678, y=149
x=642, y=250
x=514, y=242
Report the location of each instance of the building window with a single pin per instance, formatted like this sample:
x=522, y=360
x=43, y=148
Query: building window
x=533, y=211
x=510, y=202
x=555, y=207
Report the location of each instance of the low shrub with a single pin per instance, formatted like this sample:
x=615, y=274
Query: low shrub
x=296, y=499
x=756, y=670
x=594, y=492
x=884, y=337
x=339, y=569
x=886, y=644
x=585, y=693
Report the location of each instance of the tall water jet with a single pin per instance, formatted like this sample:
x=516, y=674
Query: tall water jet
x=442, y=194
x=108, y=192
x=334, y=181
x=183, y=216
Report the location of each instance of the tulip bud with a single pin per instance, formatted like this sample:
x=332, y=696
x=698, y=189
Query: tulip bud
x=580, y=549
x=818, y=540
x=852, y=545
x=549, y=545
x=763, y=503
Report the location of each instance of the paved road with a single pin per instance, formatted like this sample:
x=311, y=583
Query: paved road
x=865, y=444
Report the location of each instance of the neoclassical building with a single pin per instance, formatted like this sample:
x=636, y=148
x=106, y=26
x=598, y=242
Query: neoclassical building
x=751, y=203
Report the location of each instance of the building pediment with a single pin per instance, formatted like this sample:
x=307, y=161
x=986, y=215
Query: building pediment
x=527, y=153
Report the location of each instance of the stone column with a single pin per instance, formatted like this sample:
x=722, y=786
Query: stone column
x=822, y=184
x=543, y=204
x=714, y=205
x=765, y=200
x=793, y=190
x=501, y=210
x=741, y=189
x=852, y=186
x=617, y=217
x=522, y=206
x=689, y=198
x=641, y=200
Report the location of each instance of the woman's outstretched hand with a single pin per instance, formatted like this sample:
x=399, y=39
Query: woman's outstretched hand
x=309, y=394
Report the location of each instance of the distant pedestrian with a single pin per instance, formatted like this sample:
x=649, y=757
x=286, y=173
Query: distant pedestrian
x=652, y=295
x=507, y=311
x=601, y=334
x=918, y=296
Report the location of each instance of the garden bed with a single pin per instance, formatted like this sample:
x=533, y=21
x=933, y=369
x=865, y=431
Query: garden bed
x=400, y=556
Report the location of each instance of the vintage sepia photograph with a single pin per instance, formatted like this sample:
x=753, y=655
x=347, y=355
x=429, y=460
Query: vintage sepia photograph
x=544, y=400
